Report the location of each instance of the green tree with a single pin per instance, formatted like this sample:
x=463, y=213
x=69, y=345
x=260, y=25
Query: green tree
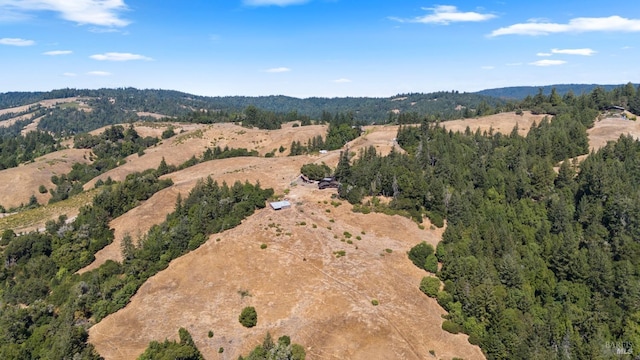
x=248, y=317
x=430, y=286
x=419, y=254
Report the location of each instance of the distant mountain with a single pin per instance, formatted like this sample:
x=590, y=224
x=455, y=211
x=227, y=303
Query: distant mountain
x=521, y=92
x=443, y=104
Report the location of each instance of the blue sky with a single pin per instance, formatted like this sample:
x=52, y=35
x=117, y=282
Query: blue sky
x=307, y=48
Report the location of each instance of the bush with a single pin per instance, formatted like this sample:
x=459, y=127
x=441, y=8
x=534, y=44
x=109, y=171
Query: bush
x=450, y=326
x=375, y=302
x=430, y=286
x=42, y=189
x=263, y=246
x=431, y=263
x=315, y=171
x=436, y=219
x=169, y=132
x=444, y=299
x=248, y=317
x=419, y=253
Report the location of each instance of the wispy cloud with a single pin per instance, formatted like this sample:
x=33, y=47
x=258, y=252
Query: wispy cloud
x=487, y=67
x=342, y=81
x=70, y=74
x=94, y=12
x=583, y=52
x=273, y=2
x=548, y=62
x=278, y=70
x=116, y=56
x=578, y=25
x=446, y=14
x=514, y=64
x=16, y=42
x=543, y=54
x=99, y=73
x=57, y=52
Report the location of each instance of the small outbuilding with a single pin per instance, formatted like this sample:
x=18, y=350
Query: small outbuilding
x=279, y=205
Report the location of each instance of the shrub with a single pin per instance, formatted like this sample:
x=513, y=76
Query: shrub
x=315, y=171
x=430, y=286
x=436, y=219
x=42, y=189
x=419, y=253
x=431, y=263
x=375, y=302
x=248, y=317
x=263, y=246
x=210, y=334
x=450, y=326
x=444, y=299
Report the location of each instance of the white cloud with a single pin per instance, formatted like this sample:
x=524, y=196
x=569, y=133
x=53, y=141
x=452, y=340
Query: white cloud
x=548, y=62
x=103, y=30
x=16, y=42
x=578, y=25
x=274, y=2
x=583, y=52
x=342, y=81
x=116, y=56
x=514, y=64
x=543, y=54
x=445, y=14
x=99, y=73
x=57, y=52
x=70, y=74
x=487, y=67
x=95, y=12
x=278, y=70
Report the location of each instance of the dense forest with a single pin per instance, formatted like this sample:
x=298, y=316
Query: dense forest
x=116, y=106
x=535, y=264
x=520, y=92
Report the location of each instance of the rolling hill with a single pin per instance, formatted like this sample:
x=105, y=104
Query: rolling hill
x=311, y=271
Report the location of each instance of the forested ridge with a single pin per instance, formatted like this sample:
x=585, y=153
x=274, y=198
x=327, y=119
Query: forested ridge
x=117, y=106
x=535, y=264
x=520, y=92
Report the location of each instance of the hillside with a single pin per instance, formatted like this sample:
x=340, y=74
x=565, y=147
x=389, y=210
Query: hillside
x=311, y=271
x=521, y=92
x=123, y=105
